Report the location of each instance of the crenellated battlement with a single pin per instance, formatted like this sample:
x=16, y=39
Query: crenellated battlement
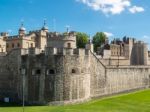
x=55, y=51
x=61, y=36
x=31, y=51
x=66, y=51
x=55, y=34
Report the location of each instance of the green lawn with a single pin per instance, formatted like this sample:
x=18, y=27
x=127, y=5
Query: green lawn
x=132, y=102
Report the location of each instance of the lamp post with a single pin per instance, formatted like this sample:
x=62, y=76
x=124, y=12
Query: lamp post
x=23, y=71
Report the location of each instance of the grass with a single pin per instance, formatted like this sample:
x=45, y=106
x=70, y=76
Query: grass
x=132, y=102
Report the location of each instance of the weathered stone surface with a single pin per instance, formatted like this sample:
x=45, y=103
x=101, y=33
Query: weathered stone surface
x=61, y=78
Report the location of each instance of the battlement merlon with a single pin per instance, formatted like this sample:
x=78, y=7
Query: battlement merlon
x=61, y=36
x=55, y=51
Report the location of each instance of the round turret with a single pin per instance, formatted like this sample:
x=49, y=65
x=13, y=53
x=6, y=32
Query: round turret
x=22, y=30
x=45, y=28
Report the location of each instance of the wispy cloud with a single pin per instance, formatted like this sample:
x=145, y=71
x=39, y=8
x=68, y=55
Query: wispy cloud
x=108, y=34
x=136, y=9
x=111, y=6
x=146, y=39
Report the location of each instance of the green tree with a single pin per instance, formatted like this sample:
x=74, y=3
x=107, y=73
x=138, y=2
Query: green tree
x=98, y=39
x=82, y=39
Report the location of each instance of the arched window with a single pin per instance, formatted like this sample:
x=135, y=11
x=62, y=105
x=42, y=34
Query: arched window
x=51, y=71
x=73, y=71
x=69, y=45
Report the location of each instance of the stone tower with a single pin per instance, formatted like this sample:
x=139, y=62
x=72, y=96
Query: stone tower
x=58, y=77
x=45, y=28
x=22, y=30
x=128, y=47
x=58, y=40
x=2, y=44
x=43, y=36
x=130, y=42
x=139, y=55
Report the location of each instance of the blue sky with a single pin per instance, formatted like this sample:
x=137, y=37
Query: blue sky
x=115, y=17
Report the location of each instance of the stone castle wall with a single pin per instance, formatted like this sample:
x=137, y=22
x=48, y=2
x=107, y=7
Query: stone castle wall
x=115, y=62
x=98, y=75
x=9, y=76
x=107, y=80
x=57, y=76
x=126, y=78
x=62, y=76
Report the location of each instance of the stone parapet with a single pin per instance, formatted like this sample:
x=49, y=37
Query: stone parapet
x=66, y=51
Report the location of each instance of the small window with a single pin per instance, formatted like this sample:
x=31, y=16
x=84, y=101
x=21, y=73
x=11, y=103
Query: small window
x=18, y=45
x=38, y=71
x=13, y=45
x=31, y=45
x=69, y=45
x=7, y=45
x=73, y=71
x=51, y=71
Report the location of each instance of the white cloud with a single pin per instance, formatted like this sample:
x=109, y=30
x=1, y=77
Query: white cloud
x=146, y=39
x=136, y=9
x=111, y=6
x=108, y=34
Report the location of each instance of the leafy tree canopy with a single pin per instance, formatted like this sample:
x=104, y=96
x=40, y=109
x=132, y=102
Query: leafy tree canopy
x=82, y=39
x=99, y=39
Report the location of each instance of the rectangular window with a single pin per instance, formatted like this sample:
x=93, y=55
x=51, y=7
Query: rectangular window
x=38, y=71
